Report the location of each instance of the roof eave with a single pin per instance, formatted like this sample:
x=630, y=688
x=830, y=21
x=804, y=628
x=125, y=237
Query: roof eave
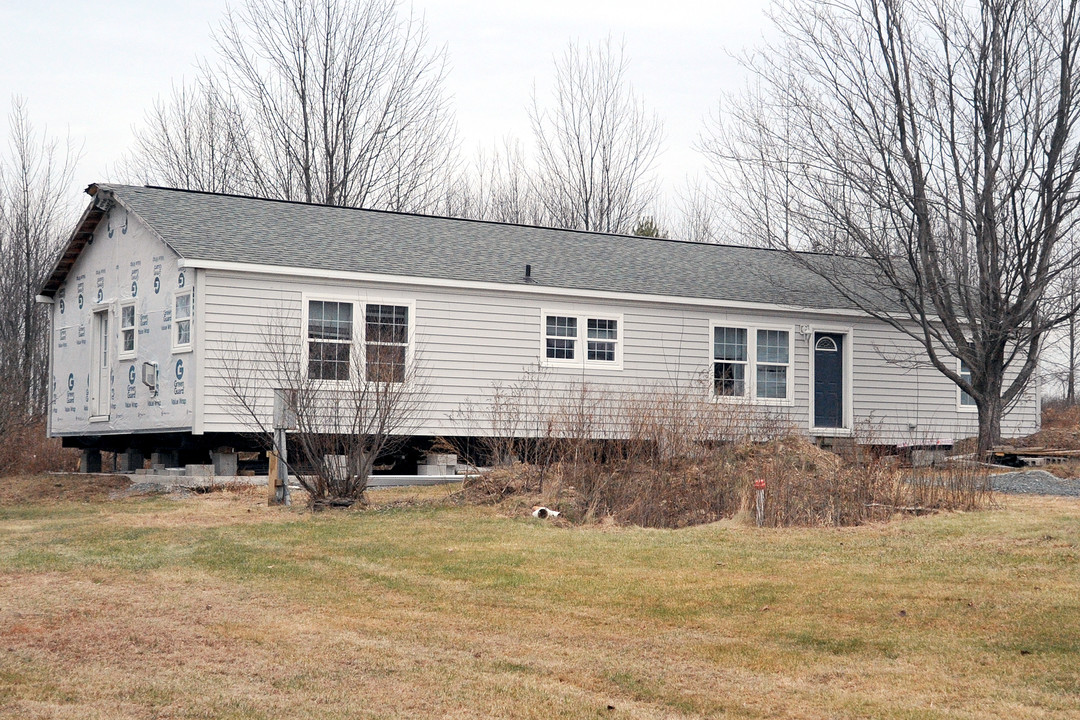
x=102, y=201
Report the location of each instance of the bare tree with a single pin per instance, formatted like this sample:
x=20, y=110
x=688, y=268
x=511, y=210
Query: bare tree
x=939, y=142
x=352, y=401
x=497, y=186
x=697, y=214
x=596, y=144
x=35, y=176
x=330, y=101
x=195, y=140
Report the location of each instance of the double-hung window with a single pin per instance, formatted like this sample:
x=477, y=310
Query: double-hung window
x=127, y=331
x=773, y=358
x=329, y=339
x=751, y=363
x=581, y=340
x=386, y=340
x=337, y=341
x=730, y=359
x=603, y=337
x=561, y=336
x=182, y=321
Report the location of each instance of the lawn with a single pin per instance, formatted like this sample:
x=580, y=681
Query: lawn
x=216, y=606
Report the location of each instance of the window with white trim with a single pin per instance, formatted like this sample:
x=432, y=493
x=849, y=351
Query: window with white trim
x=602, y=339
x=342, y=334
x=182, y=321
x=561, y=336
x=329, y=339
x=582, y=340
x=127, y=331
x=730, y=360
x=386, y=342
x=965, y=374
x=751, y=363
x=773, y=359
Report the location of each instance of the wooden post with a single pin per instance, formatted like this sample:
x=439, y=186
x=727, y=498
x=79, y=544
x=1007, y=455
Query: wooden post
x=278, y=476
x=759, y=487
x=272, y=478
x=282, y=495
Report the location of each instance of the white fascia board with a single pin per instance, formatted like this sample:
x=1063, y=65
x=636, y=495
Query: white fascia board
x=531, y=289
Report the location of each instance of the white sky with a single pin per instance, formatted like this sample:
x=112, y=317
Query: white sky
x=90, y=70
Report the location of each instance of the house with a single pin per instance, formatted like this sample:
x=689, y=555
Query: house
x=156, y=285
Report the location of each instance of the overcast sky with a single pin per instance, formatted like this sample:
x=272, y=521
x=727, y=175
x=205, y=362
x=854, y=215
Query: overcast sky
x=92, y=69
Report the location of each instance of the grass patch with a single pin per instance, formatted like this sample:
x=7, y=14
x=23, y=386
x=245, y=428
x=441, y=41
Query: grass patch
x=218, y=606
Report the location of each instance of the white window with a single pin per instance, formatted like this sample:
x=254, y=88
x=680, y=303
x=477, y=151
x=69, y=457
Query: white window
x=752, y=363
x=965, y=401
x=773, y=359
x=182, y=321
x=386, y=342
x=581, y=340
x=336, y=341
x=603, y=338
x=561, y=337
x=729, y=361
x=329, y=339
x=128, y=333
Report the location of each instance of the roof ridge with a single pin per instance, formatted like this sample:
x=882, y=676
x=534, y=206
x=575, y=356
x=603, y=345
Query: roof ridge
x=503, y=223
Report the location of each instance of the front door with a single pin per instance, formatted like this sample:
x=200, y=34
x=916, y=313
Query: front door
x=828, y=380
x=100, y=372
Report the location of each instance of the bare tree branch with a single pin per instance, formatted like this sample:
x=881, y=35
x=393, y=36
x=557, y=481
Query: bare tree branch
x=937, y=140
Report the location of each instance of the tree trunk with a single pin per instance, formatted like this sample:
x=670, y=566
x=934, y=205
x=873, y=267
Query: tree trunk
x=1070, y=393
x=989, y=423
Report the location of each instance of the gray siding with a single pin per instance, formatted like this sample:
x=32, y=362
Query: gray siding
x=469, y=340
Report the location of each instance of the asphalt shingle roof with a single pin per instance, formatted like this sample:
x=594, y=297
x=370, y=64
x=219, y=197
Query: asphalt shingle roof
x=227, y=228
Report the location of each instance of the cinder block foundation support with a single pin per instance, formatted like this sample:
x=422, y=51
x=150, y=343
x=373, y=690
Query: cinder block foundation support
x=130, y=461
x=225, y=463
x=90, y=461
x=165, y=459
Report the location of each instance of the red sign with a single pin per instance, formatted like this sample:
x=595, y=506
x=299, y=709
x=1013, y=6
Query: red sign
x=759, y=484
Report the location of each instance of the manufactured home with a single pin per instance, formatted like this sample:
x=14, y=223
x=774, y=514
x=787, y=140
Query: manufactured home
x=157, y=288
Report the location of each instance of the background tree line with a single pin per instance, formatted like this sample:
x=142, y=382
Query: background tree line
x=938, y=141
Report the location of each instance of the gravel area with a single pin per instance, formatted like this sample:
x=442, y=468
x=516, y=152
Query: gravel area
x=1034, y=482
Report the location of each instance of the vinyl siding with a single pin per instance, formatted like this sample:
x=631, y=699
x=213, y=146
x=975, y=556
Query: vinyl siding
x=469, y=341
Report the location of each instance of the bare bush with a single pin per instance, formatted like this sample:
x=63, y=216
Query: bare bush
x=24, y=450
x=672, y=457
x=349, y=399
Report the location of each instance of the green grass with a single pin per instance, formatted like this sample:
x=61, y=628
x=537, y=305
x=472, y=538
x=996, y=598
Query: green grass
x=218, y=606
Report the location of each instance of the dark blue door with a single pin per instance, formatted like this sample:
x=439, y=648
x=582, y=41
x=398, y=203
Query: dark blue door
x=828, y=380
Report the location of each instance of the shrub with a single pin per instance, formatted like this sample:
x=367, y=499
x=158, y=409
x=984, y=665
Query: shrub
x=24, y=450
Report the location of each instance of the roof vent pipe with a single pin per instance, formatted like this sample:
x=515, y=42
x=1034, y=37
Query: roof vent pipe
x=528, y=274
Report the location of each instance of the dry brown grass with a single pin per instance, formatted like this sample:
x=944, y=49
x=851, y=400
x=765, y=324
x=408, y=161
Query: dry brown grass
x=805, y=485
x=41, y=488
x=24, y=449
x=419, y=607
